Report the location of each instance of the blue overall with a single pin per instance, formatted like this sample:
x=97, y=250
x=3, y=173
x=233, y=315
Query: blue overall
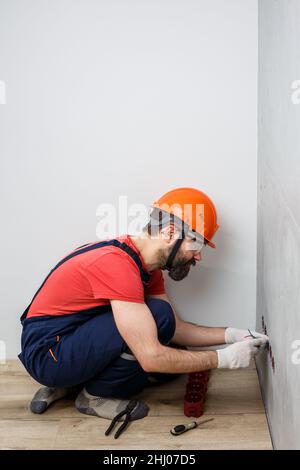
x=86, y=348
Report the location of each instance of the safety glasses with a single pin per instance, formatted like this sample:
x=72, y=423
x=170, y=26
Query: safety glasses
x=196, y=241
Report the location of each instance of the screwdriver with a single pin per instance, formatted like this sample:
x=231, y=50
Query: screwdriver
x=181, y=428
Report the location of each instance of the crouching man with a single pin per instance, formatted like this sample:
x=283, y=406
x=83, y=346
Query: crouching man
x=101, y=323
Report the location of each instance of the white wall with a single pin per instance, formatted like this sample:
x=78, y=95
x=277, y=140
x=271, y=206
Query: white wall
x=278, y=286
x=106, y=98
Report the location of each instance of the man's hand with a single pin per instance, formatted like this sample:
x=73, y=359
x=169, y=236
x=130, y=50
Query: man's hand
x=239, y=354
x=233, y=335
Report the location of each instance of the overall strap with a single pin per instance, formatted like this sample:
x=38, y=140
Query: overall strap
x=85, y=248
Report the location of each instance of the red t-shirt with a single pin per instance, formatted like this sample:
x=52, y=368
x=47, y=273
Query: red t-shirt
x=94, y=278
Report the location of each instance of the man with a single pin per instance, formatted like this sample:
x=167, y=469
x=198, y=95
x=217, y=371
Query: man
x=102, y=322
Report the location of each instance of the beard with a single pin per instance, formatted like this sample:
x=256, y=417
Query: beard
x=180, y=267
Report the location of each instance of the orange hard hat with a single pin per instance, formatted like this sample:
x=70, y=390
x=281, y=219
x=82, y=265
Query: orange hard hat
x=194, y=207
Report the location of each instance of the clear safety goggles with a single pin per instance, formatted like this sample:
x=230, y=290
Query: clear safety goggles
x=196, y=241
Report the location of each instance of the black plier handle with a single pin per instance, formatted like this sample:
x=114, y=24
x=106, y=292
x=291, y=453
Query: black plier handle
x=127, y=412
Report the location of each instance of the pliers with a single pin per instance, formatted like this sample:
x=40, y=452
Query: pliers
x=127, y=412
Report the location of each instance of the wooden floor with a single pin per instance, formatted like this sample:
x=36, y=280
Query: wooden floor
x=233, y=400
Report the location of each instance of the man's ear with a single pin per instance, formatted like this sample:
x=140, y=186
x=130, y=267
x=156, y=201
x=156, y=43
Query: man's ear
x=168, y=233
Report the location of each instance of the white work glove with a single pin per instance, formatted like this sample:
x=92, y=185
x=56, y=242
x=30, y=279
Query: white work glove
x=233, y=335
x=238, y=354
